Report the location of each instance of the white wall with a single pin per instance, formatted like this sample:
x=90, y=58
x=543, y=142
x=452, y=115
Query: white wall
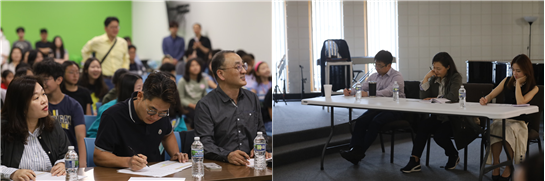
x=481, y=30
x=234, y=26
x=149, y=27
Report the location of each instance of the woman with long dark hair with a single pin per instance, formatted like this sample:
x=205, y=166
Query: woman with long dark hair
x=128, y=83
x=443, y=81
x=192, y=87
x=520, y=88
x=25, y=121
x=93, y=80
x=15, y=57
x=57, y=49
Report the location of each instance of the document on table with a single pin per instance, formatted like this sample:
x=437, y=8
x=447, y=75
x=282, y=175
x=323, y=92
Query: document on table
x=41, y=176
x=154, y=179
x=160, y=169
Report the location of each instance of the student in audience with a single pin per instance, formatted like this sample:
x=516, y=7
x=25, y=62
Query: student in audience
x=7, y=77
x=25, y=121
x=250, y=77
x=126, y=85
x=180, y=65
x=192, y=87
x=530, y=169
x=112, y=94
x=135, y=66
x=262, y=75
x=176, y=112
x=34, y=56
x=168, y=67
x=92, y=79
x=443, y=81
x=136, y=58
x=71, y=88
x=23, y=71
x=368, y=125
x=520, y=88
x=4, y=48
x=57, y=49
x=15, y=57
x=66, y=110
x=200, y=43
x=43, y=45
x=120, y=136
x=173, y=44
x=21, y=43
x=218, y=112
x=118, y=56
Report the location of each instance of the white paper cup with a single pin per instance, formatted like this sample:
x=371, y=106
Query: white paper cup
x=327, y=90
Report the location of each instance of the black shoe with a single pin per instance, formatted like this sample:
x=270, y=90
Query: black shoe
x=452, y=162
x=496, y=177
x=353, y=155
x=412, y=166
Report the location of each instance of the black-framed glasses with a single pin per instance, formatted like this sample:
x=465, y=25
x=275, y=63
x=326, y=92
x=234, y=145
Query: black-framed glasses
x=239, y=67
x=152, y=112
x=377, y=66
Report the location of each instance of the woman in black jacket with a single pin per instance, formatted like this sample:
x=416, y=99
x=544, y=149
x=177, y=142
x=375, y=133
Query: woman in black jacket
x=443, y=81
x=31, y=139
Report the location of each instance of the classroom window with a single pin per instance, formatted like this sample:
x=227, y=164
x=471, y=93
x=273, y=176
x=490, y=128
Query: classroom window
x=327, y=23
x=383, y=29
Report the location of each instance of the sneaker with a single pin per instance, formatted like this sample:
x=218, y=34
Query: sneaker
x=412, y=166
x=452, y=162
x=353, y=155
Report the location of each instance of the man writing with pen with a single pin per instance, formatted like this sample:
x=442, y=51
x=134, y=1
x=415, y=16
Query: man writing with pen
x=131, y=131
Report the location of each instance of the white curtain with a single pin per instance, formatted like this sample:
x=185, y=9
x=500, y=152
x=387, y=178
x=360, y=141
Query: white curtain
x=278, y=40
x=327, y=23
x=382, y=28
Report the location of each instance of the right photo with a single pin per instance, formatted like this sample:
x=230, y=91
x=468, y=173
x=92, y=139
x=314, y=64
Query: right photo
x=407, y=90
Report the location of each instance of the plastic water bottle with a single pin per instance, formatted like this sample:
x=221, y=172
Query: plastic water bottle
x=197, y=157
x=462, y=94
x=71, y=164
x=358, y=92
x=396, y=92
x=260, y=145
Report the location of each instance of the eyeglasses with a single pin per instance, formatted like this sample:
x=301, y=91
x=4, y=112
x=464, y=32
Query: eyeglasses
x=378, y=66
x=152, y=112
x=239, y=67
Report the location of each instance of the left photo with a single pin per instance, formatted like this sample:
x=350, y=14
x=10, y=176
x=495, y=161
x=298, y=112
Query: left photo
x=136, y=90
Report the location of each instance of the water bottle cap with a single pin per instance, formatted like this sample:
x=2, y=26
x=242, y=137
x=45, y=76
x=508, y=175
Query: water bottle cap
x=462, y=86
x=70, y=147
x=395, y=81
x=259, y=133
x=197, y=138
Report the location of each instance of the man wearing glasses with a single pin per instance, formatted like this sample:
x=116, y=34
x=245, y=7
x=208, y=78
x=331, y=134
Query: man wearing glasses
x=111, y=50
x=370, y=123
x=130, y=131
x=228, y=118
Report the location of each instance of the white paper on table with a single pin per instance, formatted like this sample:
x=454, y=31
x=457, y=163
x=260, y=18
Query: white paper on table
x=160, y=169
x=153, y=179
x=43, y=176
x=252, y=161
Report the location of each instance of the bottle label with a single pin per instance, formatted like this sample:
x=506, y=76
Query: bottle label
x=71, y=164
x=197, y=153
x=462, y=95
x=260, y=147
x=396, y=89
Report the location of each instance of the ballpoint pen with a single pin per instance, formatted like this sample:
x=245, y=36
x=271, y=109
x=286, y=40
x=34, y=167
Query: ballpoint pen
x=134, y=153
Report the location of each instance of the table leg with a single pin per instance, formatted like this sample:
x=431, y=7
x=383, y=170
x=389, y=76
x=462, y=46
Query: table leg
x=504, y=142
x=487, y=144
x=328, y=140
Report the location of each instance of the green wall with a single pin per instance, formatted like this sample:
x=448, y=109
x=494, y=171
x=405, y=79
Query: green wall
x=75, y=21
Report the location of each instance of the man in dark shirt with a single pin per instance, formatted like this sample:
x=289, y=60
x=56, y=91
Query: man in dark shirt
x=131, y=131
x=21, y=43
x=43, y=45
x=173, y=44
x=66, y=110
x=200, y=43
x=135, y=66
x=71, y=88
x=228, y=118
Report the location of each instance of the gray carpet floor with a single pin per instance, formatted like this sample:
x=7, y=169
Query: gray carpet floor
x=376, y=165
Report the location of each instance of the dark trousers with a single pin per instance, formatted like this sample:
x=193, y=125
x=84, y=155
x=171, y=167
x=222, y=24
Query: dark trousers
x=369, y=124
x=442, y=132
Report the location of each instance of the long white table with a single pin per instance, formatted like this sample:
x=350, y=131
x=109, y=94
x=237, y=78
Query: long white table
x=491, y=111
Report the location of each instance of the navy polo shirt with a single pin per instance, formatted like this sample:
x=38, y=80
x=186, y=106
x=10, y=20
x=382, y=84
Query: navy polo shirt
x=120, y=128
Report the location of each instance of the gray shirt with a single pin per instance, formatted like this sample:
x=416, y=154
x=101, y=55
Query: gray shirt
x=23, y=45
x=224, y=126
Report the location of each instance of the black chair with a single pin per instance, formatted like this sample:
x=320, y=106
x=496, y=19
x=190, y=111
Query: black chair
x=474, y=92
x=411, y=89
x=187, y=138
x=536, y=121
